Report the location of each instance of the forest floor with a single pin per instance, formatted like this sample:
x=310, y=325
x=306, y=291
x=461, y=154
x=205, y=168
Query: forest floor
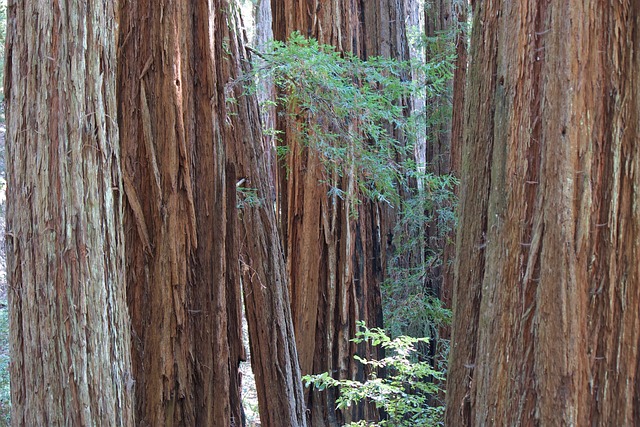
x=249, y=392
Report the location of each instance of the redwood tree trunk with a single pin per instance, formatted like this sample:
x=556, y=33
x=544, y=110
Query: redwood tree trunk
x=335, y=263
x=184, y=293
x=447, y=21
x=547, y=285
x=460, y=11
x=439, y=21
x=70, y=356
x=262, y=265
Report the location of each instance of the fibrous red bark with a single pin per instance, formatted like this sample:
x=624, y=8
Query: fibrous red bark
x=547, y=284
x=274, y=358
x=184, y=291
x=69, y=340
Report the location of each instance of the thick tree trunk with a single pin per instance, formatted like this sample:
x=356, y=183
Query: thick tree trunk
x=547, y=284
x=70, y=356
x=335, y=262
x=184, y=293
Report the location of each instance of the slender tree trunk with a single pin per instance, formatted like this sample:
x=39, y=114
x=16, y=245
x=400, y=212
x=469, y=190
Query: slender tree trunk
x=439, y=23
x=262, y=266
x=184, y=294
x=439, y=20
x=445, y=22
x=415, y=21
x=445, y=291
x=266, y=93
x=70, y=356
x=455, y=157
x=335, y=262
x=547, y=283
x=460, y=12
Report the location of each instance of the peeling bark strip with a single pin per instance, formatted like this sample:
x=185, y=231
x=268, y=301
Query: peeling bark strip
x=184, y=293
x=70, y=356
x=547, y=289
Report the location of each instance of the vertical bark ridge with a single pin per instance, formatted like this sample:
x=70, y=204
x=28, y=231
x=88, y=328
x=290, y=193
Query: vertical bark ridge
x=184, y=297
x=556, y=339
x=262, y=267
x=70, y=355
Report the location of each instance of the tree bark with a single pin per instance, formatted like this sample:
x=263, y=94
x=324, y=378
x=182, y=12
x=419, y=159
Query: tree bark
x=447, y=21
x=267, y=92
x=547, y=279
x=439, y=21
x=460, y=12
x=335, y=263
x=444, y=20
x=184, y=292
x=262, y=265
x=70, y=353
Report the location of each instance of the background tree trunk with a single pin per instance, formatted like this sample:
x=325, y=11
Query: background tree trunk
x=262, y=266
x=460, y=11
x=184, y=293
x=445, y=22
x=445, y=292
x=70, y=356
x=335, y=263
x=439, y=22
x=547, y=286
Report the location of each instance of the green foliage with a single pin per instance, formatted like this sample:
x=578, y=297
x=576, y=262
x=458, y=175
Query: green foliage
x=404, y=395
x=409, y=306
x=355, y=115
x=247, y=197
x=351, y=112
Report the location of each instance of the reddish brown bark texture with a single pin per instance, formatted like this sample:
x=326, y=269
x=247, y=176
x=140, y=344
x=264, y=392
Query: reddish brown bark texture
x=446, y=151
x=445, y=20
x=262, y=264
x=69, y=340
x=335, y=262
x=439, y=23
x=460, y=13
x=184, y=293
x=547, y=286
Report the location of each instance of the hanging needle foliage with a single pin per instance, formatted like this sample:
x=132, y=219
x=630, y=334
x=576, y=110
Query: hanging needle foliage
x=351, y=112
